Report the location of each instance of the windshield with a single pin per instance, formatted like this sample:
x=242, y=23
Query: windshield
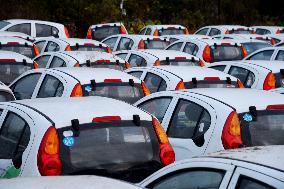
x=253, y=46
x=121, y=91
x=3, y=24
x=171, y=31
x=27, y=51
x=101, y=33
x=88, y=48
x=117, y=149
x=175, y=62
x=211, y=84
x=9, y=71
x=156, y=44
x=267, y=129
x=226, y=52
x=111, y=65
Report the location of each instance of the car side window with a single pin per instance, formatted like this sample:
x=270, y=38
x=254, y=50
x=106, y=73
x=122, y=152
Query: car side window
x=122, y=55
x=249, y=183
x=219, y=68
x=136, y=74
x=214, y=31
x=202, y=32
x=23, y=28
x=111, y=42
x=50, y=87
x=42, y=61
x=14, y=136
x=244, y=75
x=280, y=56
x=175, y=47
x=142, y=31
x=155, y=83
x=43, y=30
x=5, y=96
x=263, y=55
x=24, y=88
x=157, y=106
x=189, y=120
x=148, y=31
x=191, y=178
x=190, y=48
x=125, y=44
x=262, y=31
x=52, y=47
x=57, y=62
x=40, y=45
x=137, y=61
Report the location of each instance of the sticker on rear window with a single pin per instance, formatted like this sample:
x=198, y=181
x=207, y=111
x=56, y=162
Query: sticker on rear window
x=69, y=141
x=88, y=88
x=247, y=117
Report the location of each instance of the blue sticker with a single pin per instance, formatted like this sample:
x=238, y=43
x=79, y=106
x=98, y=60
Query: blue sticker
x=88, y=88
x=68, y=141
x=282, y=81
x=247, y=117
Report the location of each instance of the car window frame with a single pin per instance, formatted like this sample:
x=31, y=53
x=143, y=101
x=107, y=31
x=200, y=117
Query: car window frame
x=31, y=29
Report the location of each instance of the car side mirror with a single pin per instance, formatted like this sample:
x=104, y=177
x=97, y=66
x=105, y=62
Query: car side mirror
x=199, y=140
x=17, y=160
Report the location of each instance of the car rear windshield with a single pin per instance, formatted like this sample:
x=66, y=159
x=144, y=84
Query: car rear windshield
x=211, y=84
x=240, y=31
x=266, y=129
x=27, y=51
x=253, y=46
x=226, y=52
x=3, y=24
x=156, y=44
x=117, y=149
x=111, y=65
x=175, y=62
x=88, y=48
x=121, y=91
x=171, y=31
x=279, y=80
x=101, y=33
x=9, y=71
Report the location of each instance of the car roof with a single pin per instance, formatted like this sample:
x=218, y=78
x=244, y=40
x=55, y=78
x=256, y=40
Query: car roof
x=163, y=54
x=274, y=66
x=85, y=75
x=70, y=182
x=27, y=20
x=139, y=37
x=62, y=110
x=13, y=55
x=160, y=26
x=7, y=39
x=74, y=41
x=107, y=24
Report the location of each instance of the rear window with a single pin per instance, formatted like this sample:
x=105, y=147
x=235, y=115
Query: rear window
x=121, y=91
x=4, y=96
x=27, y=51
x=211, y=84
x=117, y=149
x=226, y=52
x=3, y=24
x=279, y=80
x=101, y=33
x=88, y=48
x=9, y=71
x=111, y=65
x=253, y=46
x=266, y=130
x=240, y=31
x=181, y=62
x=171, y=31
x=156, y=44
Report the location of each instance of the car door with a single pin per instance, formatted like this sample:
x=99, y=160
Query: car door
x=43, y=60
x=190, y=48
x=279, y=56
x=41, y=45
x=51, y=46
x=262, y=55
x=248, y=77
x=176, y=47
x=155, y=82
x=22, y=28
x=136, y=61
x=112, y=42
x=56, y=62
x=203, y=31
x=124, y=43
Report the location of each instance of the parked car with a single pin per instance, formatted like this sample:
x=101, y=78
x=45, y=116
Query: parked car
x=17, y=34
x=74, y=82
x=14, y=64
x=70, y=44
x=161, y=78
x=56, y=136
x=200, y=121
x=223, y=29
x=264, y=30
x=35, y=28
x=254, y=74
x=156, y=57
x=269, y=53
x=5, y=93
x=101, y=31
x=257, y=167
x=159, y=30
x=93, y=59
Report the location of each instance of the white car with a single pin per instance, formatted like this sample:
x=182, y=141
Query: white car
x=268, y=53
x=70, y=44
x=174, y=38
x=94, y=59
x=223, y=29
x=101, y=31
x=155, y=57
x=278, y=90
x=18, y=45
x=251, y=37
x=264, y=30
x=35, y=28
x=80, y=136
x=277, y=38
x=248, y=168
x=70, y=182
x=5, y=93
x=210, y=50
x=73, y=82
x=159, y=30
x=135, y=42
x=14, y=64
x=17, y=34
x=254, y=74
x=162, y=78
x=200, y=121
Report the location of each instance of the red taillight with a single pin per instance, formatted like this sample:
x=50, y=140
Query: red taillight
x=35, y=65
x=180, y=58
x=240, y=84
x=89, y=44
x=127, y=65
x=180, y=86
x=231, y=135
x=12, y=43
x=167, y=154
x=48, y=160
x=77, y=65
x=7, y=60
x=145, y=89
x=227, y=32
x=245, y=53
x=275, y=107
x=108, y=50
x=68, y=48
x=123, y=30
x=106, y=119
x=66, y=32
x=269, y=82
x=89, y=33
x=77, y=91
x=157, y=63
x=201, y=63
x=36, y=50
x=112, y=80
x=156, y=33
x=141, y=44
x=207, y=54
x=102, y=61
x=211, y=78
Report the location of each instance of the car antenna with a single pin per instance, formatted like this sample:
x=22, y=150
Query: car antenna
x=253, y=112
x=75, y=126
x=136, y=120
x=194, y=82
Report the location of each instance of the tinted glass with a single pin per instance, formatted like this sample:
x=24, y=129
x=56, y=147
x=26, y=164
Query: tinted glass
x=190, y=48
x=280, y=56
x=180, y=62
x=136, y=61
x=88, y=48
x=100, y=33
x=125, y=44
x=4, y=97
x=154, y=83
x=219, y=68
x=111, y=65
x=171, y=31
x=3, y=24
x=211, y=84
x=202, y=32
x=244, y=75
x=214, y=31
x=43, y=30
x=240, y=31
x=27, y=51
x=111, y=42
x=156, y=44
x=57, y=62
x=262, y=31
x=226, y=52
x=148, y=31
x=122, y=55
x=249, y=183
x=40, y=45
x=136, y=74
x=23, y=28
x=263, y=55
x=50, y=87
x=253, y=46
x=42, y=61
x=51, y=47
x=176, y=46
x=142, y=31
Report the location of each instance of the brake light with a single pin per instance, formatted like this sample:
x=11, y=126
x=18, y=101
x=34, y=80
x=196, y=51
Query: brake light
x=272, y=41
x=269, y=82
x=180, y=58
x=68, y=48
x=227, y=32
x=77, y=65
x=145, y=89
x=102, y=61
x=156, y=33
x=123, y=30
x=157, y=63
x=66, y=32
x=211, y=78
x=186, y=31
x=106, y=119
x=207, y=54
x=48, y=160
x=245, y=53
x=240, y=84
x=36, y=50
x=127, y=65
x=180, y=86
x=231, y=135
x=201, y=63
x=167, y=154
x=35, y=65
x=12, y=43
x=112, y=81
x=275, y=107
x=89, y=33
x=89, y=44
x=77, y=91
x=141, y=44
x=108, y=50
